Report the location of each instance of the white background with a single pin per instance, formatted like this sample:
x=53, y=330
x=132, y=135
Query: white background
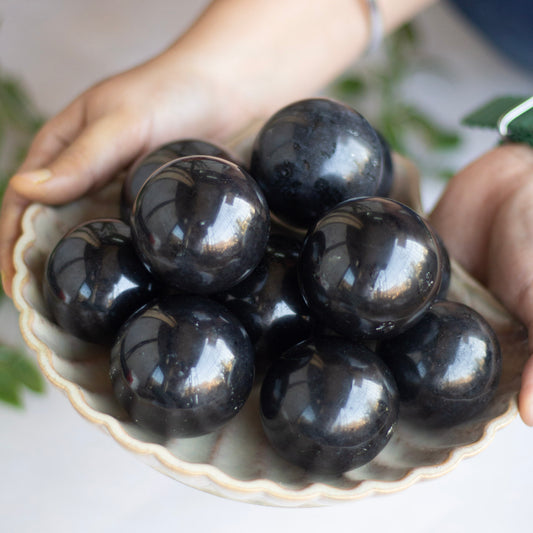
x=59, y=473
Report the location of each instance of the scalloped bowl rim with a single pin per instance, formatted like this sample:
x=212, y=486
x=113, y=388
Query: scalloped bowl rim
x=195, y=474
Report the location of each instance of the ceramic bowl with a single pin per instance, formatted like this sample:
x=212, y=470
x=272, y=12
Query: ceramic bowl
x=237, y=462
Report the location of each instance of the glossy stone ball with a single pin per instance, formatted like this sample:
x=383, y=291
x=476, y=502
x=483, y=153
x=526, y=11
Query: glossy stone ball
x=386, y=178
x=313, y=154
x=94, y=280
x=201, y=224
x=329, y=405
x=370, y=268
x=447, y=366
x=182, y=366
x=269, y=303
x=147, y=164
x=446, y=269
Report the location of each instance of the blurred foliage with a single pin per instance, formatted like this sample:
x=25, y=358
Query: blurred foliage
x=378, y=89
x=17, y=372
x=19, y=121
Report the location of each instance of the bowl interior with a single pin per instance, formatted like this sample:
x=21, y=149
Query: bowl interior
x=237, y=461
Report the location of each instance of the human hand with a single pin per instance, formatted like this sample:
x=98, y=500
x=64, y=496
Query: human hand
x=485, y=218
x=105, y=129
x=238, y=61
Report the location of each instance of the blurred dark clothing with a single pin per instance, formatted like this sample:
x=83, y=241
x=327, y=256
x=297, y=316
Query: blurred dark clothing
x=508, y=24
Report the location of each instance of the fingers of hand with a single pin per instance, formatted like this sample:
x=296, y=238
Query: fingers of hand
x=465, y=214
x=55, y=136
x=13, y=208
x=525, y=397
x=510, y=255
x=485, y=217
x=510, y=276
x=77, y=160
x=98, y=152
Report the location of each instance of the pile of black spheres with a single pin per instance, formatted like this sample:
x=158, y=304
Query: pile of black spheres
x=199, y=294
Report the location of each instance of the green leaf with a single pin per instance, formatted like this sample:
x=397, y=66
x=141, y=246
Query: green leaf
x=446, y=174
x=400, y=47
x=9, y=391
x=25, y=371
x=16, y=104
x=3, y=132
x=487, y=115
x=446, y=139
x=519, y=130
x=435, y=135
x=351, y=86
x=392, y=133
x=407, y=33
x=17, y=111
x=3, y=186
x=17, y=372
x=19, y=121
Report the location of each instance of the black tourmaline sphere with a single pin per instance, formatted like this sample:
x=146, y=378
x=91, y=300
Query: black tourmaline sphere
x=182, y=366
x=148, y=164
x=447, y=366
x=313, y=154
x=446, y=269
x=386, y=180
x=370, y=267
x=329, y=405
x=94, y=280
x=269, y=303
x=200, y=224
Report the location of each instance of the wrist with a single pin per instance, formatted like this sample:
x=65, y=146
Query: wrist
x=203, y=101
x=269, y=55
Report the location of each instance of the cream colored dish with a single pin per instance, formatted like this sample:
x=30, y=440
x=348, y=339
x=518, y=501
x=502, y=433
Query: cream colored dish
x=236, y=462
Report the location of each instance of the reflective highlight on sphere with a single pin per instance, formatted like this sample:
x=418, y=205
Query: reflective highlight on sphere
x=201, y=224
x=148, y=164
x=447, y=366
x=329, y=405
x=313, y=154
x=269, y=303
x=182, y=367
x=370, y=267
x=94, y=280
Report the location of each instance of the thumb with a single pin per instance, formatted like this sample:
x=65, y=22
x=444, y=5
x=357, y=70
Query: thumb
x=90, y=161
x=464, y=215
x=525, y=396
x=510, y=276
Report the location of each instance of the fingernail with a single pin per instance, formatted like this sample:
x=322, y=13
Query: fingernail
x=34, y=176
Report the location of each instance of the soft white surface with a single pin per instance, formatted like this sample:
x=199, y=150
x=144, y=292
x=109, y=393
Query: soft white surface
x=60, y=474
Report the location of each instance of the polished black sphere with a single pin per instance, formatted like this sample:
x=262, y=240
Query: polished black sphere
x=447, y=366
x=269, y=303
x=313, y=154
x=446, y=269
x=329, y=405
x=182, y=366
x=94, y=280
x=370, y=268
x=386, y=178
x=147, y=164
x=201, y=224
